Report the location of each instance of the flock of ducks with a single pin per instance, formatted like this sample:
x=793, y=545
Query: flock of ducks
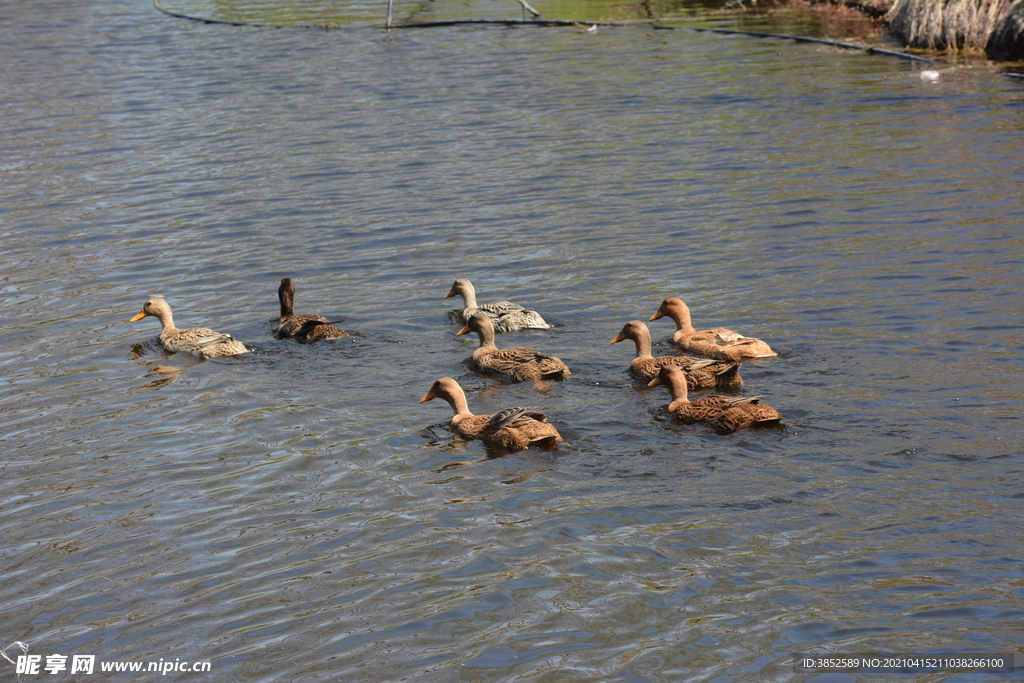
x=514, y=429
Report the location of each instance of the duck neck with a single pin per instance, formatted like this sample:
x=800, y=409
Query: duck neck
x=287, y=298
x=167, y=320
x=457, y=400
x=487, y=337
x=642, y=340
x=681, y=315
x=677, y=387
x=469, y=296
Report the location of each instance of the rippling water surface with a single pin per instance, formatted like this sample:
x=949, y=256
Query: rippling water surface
x=293, y=515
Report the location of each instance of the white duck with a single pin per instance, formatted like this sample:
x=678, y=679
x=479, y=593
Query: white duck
x=198, y=341
x=505, y=315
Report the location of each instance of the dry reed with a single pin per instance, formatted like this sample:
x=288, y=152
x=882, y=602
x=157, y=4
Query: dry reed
x=947, y=24
x=1007, y=40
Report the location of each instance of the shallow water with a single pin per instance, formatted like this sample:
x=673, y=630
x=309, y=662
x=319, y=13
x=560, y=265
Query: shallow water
x=291, y=516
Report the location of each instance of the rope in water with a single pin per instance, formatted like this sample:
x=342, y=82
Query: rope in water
x=514, y=22
x=821, y=41
x=156, y=4
x=564, y=22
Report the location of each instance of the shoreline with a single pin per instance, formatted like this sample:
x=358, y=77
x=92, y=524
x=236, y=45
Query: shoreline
x=994, y=28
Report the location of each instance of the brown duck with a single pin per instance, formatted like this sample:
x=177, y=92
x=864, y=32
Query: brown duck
x=718, y=343
x=725, y=413
x=700, y=373
x=512, y=429
x=294, y=326
x=518, y=364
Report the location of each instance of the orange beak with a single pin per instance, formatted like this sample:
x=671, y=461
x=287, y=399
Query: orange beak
x=464, y=330
x=654, y=382
x=617, y=339
x=139, y=316
x=657, y=315
x=427, y=396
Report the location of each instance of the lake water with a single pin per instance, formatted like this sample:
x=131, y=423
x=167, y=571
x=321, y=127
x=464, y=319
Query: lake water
x=294, y=515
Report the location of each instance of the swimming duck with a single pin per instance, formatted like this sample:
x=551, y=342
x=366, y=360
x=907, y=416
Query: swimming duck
x=198, y=341
x=506, y=316
x=726, y=414
x=291, y=325
x=718, y=343
x=518, y=364
x=512, y=429
x=700, y=373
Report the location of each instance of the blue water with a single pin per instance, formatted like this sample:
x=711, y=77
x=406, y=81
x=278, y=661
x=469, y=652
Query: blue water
x=297, y=515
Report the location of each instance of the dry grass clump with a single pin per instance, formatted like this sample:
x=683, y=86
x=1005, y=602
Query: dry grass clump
x=1007, y=40
x=947, y=24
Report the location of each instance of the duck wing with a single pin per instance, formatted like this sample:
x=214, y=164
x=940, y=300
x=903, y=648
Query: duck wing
x=648, y=368
x=524, y=319
x=745, y=415
x=290, y=325
x=521, y=364
x=510, y=416
x=507, y=316
x=321, y=328
x=522, y=432
x=725, y=344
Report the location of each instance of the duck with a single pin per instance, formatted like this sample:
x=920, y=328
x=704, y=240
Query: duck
x=700, y=372
x=197, y=341
x=725, y=414
x=719, y=343
x=506, y=316
x=512, y=429
x=517, y=364
x=292, y=326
